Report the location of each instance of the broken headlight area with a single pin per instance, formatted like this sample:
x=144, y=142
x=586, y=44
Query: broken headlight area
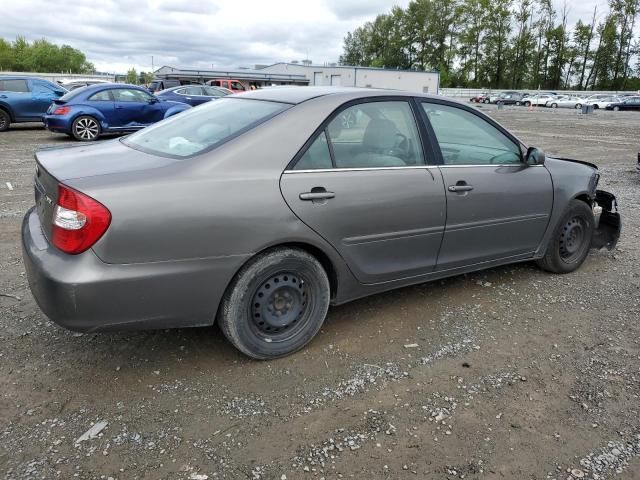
x=608, y=223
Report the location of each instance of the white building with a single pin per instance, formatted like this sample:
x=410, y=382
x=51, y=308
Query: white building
x=409, y=80
x=306, y=74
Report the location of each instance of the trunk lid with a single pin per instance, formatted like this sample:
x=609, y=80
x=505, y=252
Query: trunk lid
x=105, y=158
x=55, y=165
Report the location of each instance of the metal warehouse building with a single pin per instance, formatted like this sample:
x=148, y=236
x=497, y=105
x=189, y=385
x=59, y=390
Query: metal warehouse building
x=305, y=74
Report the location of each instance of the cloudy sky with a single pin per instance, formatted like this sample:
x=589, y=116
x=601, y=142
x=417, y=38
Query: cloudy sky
x=119, y=34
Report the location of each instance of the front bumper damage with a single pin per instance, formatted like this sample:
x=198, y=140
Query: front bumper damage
x=608, y=223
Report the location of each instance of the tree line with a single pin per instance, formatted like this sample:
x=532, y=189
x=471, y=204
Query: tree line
x=518, y=44
x=42, y=56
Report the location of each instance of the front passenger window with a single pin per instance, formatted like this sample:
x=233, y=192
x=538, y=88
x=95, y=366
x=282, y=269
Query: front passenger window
x=467, y=139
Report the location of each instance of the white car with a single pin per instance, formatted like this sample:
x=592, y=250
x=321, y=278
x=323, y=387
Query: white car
x=566, y=101
x=537, y=100
x=602, y=102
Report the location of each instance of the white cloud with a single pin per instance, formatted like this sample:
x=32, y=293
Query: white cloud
x=118, y=34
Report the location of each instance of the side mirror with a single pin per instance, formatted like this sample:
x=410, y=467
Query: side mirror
x=59, y=93
x=535, y=156
x=153, y=100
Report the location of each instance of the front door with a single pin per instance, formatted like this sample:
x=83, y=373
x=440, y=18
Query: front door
x=366, y=189
x=497, y=206
x=135, y=108
x=16, y=93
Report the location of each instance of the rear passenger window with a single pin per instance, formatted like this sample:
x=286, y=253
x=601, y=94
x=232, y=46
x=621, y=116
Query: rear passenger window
x=317, y=155
x=104, y=96
x=375, y=134
x=19, y=86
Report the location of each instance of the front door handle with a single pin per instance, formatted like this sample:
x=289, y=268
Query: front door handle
x=3, y=96
x=460, y=188
x=317, y=195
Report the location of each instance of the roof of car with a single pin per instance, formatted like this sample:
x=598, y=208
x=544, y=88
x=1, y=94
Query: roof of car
x=295, y=95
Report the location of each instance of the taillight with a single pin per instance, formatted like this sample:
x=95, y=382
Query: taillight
x=78, y=221
x=62, y=110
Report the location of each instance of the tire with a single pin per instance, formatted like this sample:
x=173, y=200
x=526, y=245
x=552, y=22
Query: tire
x=5, y=120
x=578, y=106
x=554, y=105
x=486, y=100
x=527, y=104
x=595, y=106
x=518, y=103
x=276, y=304
x=571, y=240
x=616, y=108
x=86, y=128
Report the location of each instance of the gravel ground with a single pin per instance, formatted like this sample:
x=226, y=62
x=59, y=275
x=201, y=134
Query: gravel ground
x=515, y=374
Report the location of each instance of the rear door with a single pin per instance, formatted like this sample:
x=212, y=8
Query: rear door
x=195, y=95
x=16, y=94
x=365, y=188
x=497, y=206
x=42, y=95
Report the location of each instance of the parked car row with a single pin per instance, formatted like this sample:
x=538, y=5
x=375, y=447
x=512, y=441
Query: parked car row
x=553, y=100
x=88, y=109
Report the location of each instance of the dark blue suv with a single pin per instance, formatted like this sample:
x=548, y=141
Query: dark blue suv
x=25, y=99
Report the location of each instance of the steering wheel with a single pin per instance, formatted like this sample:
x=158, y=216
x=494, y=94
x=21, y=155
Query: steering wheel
x=401, y=147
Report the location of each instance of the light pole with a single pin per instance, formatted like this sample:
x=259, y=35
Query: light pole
x=152, y=69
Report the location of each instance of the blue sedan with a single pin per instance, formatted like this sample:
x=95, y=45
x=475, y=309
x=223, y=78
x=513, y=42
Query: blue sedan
x=88, y=112
x=192, y=94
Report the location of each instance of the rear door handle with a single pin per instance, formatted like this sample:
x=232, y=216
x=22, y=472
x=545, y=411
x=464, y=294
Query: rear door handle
x=460, y=188
x=317, y=195
x=3, y=96
x=119, y=108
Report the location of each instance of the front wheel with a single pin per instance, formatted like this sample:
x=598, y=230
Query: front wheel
x=527, y=104
x=578, y=106
x=554, y=105
x=5, y=121
x=486, y=100
x=85, y=128
x=276, y=304
x=616, y=109
x=571, y=240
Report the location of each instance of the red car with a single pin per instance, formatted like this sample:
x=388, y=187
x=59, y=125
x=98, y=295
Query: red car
x=236, y=86
x=480, y=98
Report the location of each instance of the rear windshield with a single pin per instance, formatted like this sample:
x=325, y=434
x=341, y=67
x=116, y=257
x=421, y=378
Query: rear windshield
x=200, y=129
x=73, y=93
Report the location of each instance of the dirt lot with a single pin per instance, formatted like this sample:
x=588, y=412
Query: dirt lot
x=517, y=374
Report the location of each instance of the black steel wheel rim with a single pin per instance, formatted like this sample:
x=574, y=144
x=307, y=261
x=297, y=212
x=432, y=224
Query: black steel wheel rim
x=280, y=306
x=572, y=239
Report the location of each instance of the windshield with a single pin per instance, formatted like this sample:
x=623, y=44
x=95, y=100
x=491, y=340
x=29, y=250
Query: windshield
x=200, y=129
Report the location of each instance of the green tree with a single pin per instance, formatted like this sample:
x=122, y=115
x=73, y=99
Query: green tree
x=132, y=76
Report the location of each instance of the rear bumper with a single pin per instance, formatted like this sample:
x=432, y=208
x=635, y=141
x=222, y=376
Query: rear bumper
x=56, y=123
x=82, y=293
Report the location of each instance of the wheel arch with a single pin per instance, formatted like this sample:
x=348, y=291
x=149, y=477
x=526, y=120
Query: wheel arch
x=313, y=250
x=7, y=108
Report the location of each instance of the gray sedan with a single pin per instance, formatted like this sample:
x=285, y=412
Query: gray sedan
x=258, y=211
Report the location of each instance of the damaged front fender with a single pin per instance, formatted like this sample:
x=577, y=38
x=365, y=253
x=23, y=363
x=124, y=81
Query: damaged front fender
x=608, y=223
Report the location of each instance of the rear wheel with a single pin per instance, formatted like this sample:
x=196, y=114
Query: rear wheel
x=578, y=106
x=571, y=240
x=554, y=105
x=276, y=304
x=616, y=108
x=527, y=104
x=486, y=100
x=5, y=120
x=595, y=106
x=85, y=128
